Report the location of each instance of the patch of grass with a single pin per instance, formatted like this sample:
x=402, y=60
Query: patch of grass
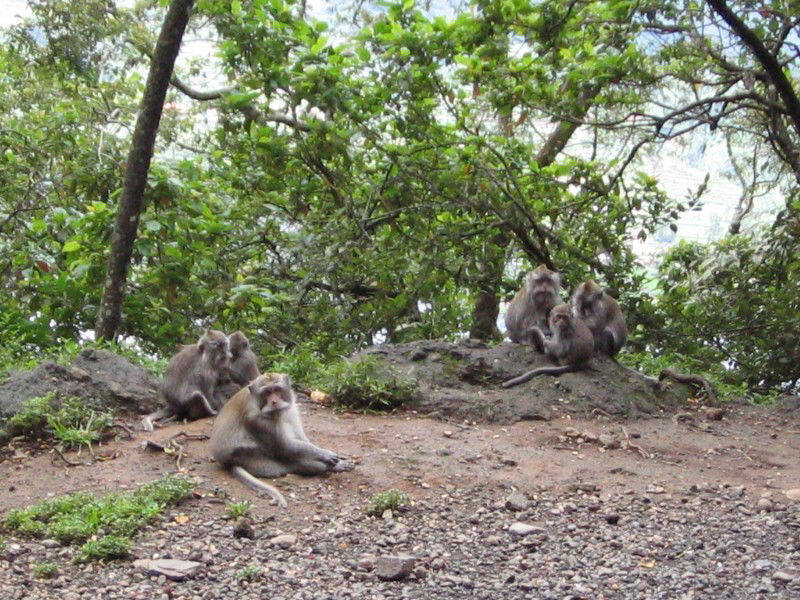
x=382, y=501
x=249, y=573
x=73, y=422
x=102, y=526
x=366, y=384
x=45, y=570
x=235, y=510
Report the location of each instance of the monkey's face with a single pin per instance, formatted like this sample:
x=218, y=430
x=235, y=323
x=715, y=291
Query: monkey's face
x=215, y=347
x=560, y=317
x=273, y=399
x=239, y=343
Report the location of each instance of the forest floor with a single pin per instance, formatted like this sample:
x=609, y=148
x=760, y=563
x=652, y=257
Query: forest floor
x=667, y=507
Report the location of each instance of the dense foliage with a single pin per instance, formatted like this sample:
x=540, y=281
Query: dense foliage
x=388, y=174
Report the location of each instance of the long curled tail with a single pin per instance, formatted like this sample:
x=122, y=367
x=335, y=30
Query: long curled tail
x=256, y=484
x=536, y=372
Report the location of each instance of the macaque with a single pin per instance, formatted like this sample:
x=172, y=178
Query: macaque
x=603, y=316
x=243, y=370
x=258, y=433
x=533, y=303
x=191, y=379
x=571, y=346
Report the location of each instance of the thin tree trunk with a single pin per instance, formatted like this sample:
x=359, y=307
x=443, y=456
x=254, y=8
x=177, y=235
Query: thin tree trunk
x=144, y=135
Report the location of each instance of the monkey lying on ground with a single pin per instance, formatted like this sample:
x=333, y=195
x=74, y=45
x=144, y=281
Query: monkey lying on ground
x=243, y=369
x=191, y=379
x=532, y=304
x=603, y=316
x=571, y=345
x=258, y=433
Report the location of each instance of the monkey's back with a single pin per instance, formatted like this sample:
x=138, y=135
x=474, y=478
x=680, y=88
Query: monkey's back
x=228, y=435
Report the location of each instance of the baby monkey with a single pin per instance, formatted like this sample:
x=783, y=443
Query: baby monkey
x=571, y=346
x=258, y=433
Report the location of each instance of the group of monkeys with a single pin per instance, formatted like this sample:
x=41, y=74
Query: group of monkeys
x=257, y=431
x=568, y=334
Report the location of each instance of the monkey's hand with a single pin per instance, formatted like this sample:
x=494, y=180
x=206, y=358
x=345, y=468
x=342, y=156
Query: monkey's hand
x=343, y=465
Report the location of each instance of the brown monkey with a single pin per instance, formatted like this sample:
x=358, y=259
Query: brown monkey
x=191, y=379
x=533, y=303
x=258, y=433
x=242, y=371
x=571, y=345
x=603, y=316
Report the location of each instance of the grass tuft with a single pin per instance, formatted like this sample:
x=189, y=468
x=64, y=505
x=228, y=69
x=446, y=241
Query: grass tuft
x=390, y=499
x=103, y=526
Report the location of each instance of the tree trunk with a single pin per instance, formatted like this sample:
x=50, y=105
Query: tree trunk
x=138, y=164
x=486, y=305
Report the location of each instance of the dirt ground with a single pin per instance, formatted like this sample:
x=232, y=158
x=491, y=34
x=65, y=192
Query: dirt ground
x=750, y=447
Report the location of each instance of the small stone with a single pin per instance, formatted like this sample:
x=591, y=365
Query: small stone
x=764, y=504
x=715, y=413
x=612, y=519
x=169, y=568
x=394, y=568
x=793, y=494
x=366, y=562
x=243, y=528
x=387, y=514
x=784, y=576
x=48, y=543
x=517, y=501
x=609, y=442
x=523, y=529
x=447, y=433
x=287, y=540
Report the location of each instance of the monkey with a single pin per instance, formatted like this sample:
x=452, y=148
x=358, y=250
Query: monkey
x=532, y=303
x=191, y=379
x=603, y=316
x=571, y=346
x=242, y=370
x=258, y=433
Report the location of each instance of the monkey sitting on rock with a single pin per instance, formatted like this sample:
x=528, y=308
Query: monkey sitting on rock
x=191, y=379
x=532, y=304
x=571, y=345
x=258, y=433
x=602, y=315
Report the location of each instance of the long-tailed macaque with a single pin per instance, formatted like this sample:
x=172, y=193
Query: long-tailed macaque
x=243, y=369
x=603, y=315
x=258, y=433
x=191, y=379
x=571, y=346
x=532, y=304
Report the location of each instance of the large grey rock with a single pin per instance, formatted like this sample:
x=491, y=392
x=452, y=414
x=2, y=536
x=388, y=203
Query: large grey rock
x=174, y=569
x=104, y=379
x=394, y=568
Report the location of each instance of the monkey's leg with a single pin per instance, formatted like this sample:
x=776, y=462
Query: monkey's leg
x=165, y=413
x=198, y=406
x=536, y=338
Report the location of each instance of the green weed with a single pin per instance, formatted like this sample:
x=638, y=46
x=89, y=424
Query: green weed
x=390, y=499
x=45, y=570
x=103, y=525
x=366, y=384
x=235, y=510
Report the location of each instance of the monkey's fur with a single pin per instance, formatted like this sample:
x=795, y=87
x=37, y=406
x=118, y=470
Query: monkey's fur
x=571, y=346
x=532, y=304
x=243, y=369
x=191, y=379
x=602, y=315
x=258, y=433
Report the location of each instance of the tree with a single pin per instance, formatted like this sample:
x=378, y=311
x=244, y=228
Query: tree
x=138, y=164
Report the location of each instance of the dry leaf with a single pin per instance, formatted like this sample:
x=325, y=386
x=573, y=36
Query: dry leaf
x=181, y=519
x=647, y=564
x=320, y=397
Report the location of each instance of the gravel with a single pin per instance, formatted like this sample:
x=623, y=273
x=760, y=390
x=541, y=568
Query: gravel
x=452, y=542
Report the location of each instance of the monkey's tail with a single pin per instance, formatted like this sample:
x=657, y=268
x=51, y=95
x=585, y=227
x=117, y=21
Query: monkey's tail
x=536, y=372
x=254, y=483
x=162, y=413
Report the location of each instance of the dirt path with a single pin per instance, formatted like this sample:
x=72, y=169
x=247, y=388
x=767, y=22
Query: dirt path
x=749, y=448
